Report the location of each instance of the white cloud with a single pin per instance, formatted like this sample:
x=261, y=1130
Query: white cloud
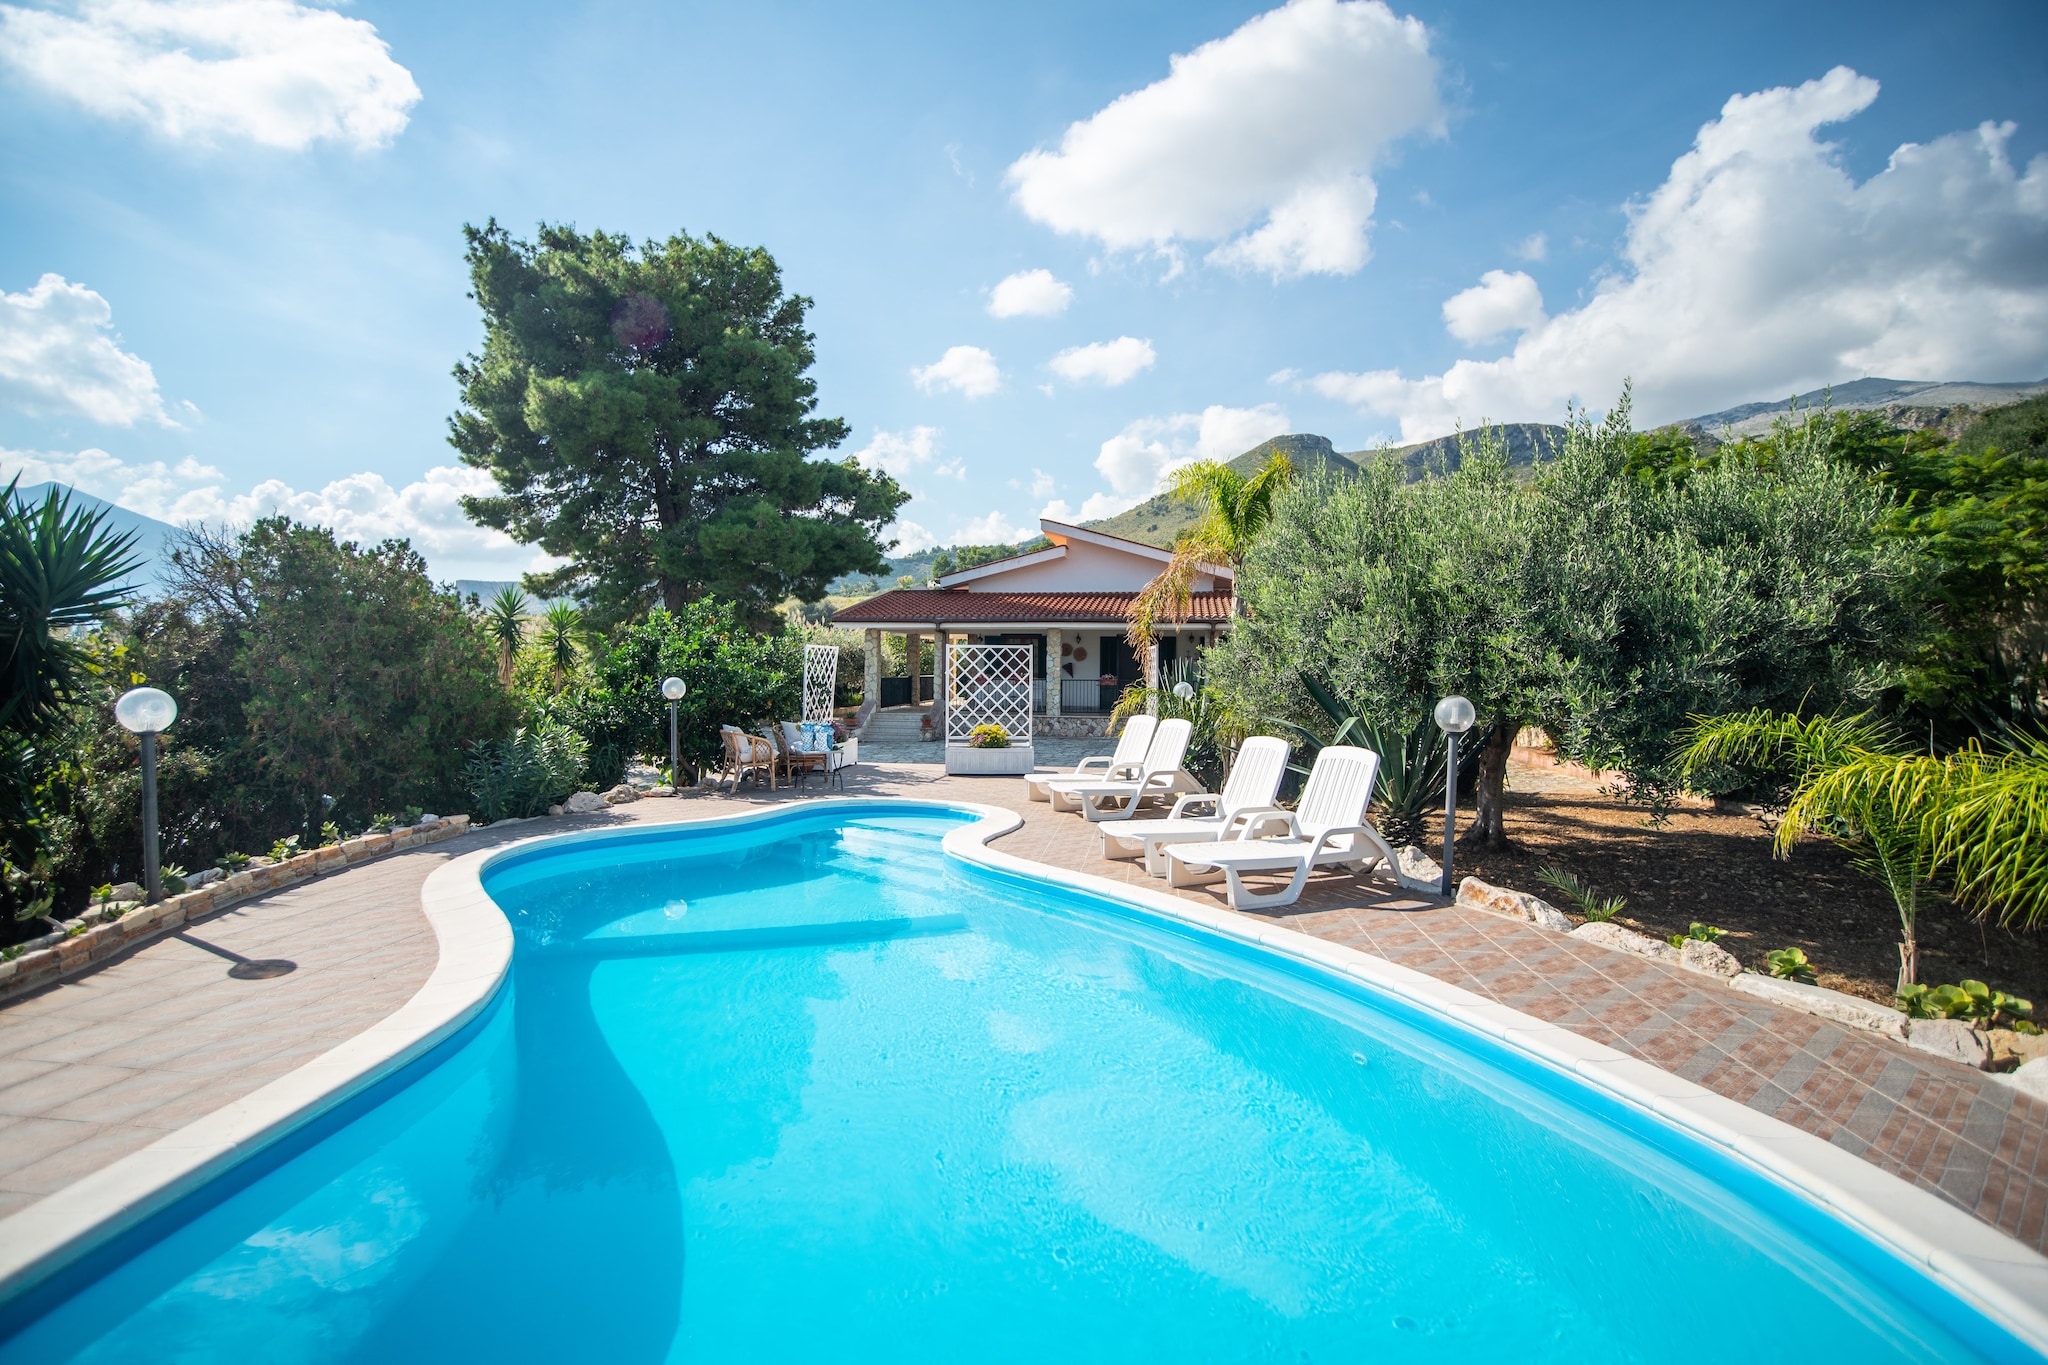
x=1029, y=294
x=1106, y=362
x=909, y=537
x=968, y=370
x=59, y=354
x=1534, y=247
x=361, y=507
x=1263, y=140
x=1136, y=459
x=1095, y=506
x=1760, y=267
x=993, y=529
x=1500, y=303
x=897, y=454
x=273, y=72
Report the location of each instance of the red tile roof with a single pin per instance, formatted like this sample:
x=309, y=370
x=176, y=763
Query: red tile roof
x=960, y=607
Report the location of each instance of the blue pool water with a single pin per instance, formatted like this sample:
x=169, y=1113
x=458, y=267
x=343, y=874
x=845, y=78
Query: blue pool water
x=810, y=1091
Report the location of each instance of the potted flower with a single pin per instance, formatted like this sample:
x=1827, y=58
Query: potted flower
x=990, y=736
x=924, y=728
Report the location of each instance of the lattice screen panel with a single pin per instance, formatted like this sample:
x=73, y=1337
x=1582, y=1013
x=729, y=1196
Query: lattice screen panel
x=988, y=684
x=821, y=673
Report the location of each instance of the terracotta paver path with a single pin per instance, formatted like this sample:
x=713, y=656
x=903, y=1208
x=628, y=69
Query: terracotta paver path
x=96, y=1067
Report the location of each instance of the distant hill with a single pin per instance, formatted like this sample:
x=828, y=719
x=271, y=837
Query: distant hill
x=153, y=539
x=1930, y=403
x=1159, y=520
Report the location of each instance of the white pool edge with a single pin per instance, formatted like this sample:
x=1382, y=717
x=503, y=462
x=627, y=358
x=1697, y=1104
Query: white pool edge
x=2001, y=1278
x=474, y=947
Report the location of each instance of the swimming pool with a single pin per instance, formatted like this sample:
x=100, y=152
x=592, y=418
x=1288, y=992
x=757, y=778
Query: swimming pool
x=806, y=1087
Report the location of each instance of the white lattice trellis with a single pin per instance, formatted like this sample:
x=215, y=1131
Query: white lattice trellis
x=821, y=674
x=988, y=685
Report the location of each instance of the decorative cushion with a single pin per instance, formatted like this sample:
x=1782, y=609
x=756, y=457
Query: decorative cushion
x=817, y=736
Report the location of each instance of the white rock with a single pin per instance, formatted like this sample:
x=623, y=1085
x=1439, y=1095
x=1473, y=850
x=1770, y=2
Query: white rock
x=1626, y=941
x=126, y=891
x=1950, y=1038
x=661, y=791
x=430, y=820
x=204, y=878
x=1710, y=958
x=2031, y=1078
x=554, y=810
x=582, y=803
x=1514, y=904
x=621, y=794
x=1822, y=1003
x=1413, y=867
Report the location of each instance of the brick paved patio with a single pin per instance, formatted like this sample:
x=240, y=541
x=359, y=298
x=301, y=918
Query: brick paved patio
x=98, y=1066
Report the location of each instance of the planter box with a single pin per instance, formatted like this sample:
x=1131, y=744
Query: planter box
x=971, y=762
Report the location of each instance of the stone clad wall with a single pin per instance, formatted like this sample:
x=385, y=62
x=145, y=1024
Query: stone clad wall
x=55, y=957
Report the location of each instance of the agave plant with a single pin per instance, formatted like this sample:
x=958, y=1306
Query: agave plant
x=1902, y=815
x=1412, y=758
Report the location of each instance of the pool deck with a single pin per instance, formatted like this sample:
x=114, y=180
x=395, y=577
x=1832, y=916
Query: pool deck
x=98, y=1066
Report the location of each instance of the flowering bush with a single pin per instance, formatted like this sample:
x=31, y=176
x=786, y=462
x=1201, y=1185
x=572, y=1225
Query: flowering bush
x=989, y=736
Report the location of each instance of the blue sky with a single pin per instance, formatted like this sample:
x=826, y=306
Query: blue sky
x=233, y=277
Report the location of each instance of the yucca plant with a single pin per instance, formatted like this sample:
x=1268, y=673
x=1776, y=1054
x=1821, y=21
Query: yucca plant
x=560, y=627
x=1901, y=815
x=1216, y=727
x=505, y=622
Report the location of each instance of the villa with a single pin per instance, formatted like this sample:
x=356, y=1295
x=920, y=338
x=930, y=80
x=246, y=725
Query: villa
x=1069, y=601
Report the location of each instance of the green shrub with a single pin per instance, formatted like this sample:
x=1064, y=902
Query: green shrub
x=525, y=773
x=1972, y=1000
x=1790, y=964
x=1697, y=933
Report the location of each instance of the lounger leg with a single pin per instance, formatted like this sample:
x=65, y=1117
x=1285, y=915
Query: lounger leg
x=1179, y=873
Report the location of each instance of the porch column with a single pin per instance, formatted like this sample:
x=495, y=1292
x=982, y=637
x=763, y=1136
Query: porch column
x=913, y=650
x=1055, y=641
x=1152, y=676
x=871, y=672
x=939, y=651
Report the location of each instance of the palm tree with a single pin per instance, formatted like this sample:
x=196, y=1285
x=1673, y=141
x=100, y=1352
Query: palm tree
x=564, y=624
x=1902, y=815
x=1236, y=510
x=505, y=622
x=60, y=568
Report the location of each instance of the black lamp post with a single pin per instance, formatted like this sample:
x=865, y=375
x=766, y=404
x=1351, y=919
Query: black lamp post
x=675, y=689
x=1454, y=716
x=148, y=712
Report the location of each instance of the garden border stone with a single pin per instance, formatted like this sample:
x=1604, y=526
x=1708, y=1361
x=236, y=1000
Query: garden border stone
x=1836, y=1006
x=56, y=956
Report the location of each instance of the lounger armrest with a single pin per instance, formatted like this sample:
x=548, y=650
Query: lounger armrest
x=1091, y=763
x=1338, y=832
x=1180, y=807
x=1257, y=820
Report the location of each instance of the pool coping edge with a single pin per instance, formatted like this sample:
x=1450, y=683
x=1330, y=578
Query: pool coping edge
x=474, y=953
x=1998, y=1275
x=1993, y=1272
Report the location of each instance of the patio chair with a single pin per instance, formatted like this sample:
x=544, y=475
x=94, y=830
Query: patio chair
x=1327, y=829
x=1127, y=761
x=1254, y=782
x=744, y=754
x=799, y=761
x=1119, y=798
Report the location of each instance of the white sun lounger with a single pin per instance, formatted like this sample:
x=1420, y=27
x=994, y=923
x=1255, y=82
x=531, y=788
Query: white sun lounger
x=1127, y=761
x=1254, y=782
x=1327, y=829
x=1119, y=798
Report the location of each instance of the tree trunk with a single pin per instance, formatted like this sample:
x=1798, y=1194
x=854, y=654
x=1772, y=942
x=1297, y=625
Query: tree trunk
x=1909, y=963
x=672, y=596
x=1490, y=790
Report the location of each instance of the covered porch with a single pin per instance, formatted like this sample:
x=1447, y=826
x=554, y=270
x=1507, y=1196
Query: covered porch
x=1081, y=662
